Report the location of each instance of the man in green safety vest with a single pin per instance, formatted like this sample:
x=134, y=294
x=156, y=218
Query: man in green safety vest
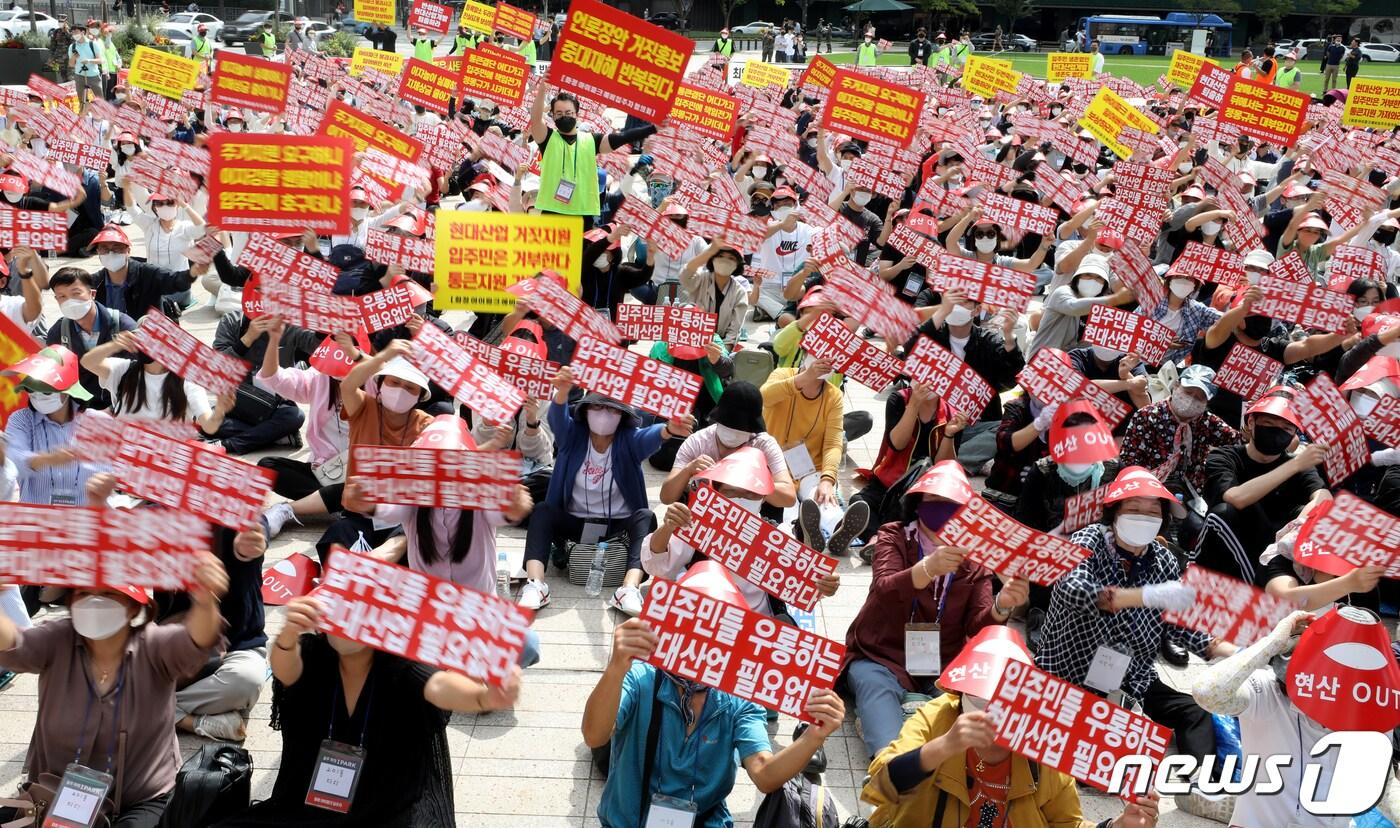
x=268, y=39
x=465, y=39
x=200, y=47
x=941, y=55
x=1290, y=76
x=962, y=49
x=423, y=46
x=569, y=157
x=526, y=49
x=111, y=62
x=867, y=51
x=723, y=45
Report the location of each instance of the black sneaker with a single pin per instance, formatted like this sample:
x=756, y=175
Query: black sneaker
x=293, y=440
x=809, y=517
x=851, y=525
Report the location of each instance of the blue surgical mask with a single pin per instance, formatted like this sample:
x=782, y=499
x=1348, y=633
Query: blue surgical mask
x=1075, y=474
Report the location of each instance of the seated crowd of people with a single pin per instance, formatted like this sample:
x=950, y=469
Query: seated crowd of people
x=1000, y=249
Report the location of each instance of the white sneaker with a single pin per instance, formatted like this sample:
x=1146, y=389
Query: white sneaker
x=226, y=727
x=628, y=599
x=277, y=517
x=535, y=595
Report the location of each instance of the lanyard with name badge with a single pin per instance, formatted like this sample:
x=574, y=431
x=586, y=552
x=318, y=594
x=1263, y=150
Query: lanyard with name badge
x=564, y=190
x=923, y=647
x=79, y=798
x=664, y=811
x=338, y=765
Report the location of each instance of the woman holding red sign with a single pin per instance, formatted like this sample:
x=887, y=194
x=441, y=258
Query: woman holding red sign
x=144, y=388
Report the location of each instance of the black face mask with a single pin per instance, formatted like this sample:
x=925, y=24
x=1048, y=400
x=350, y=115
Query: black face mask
x=566, y=124
x=1385, y=238
x=760, y=208
x=1271, y=440
x=1257, y=327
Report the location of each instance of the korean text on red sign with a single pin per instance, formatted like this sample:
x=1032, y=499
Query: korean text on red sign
x=442, y=478
x=79, y=546
x=250, y=82
x=619, y=60
x=872, y=109
x=849, y=354
x=177, y=349
x=530, y=374
x=633, y=379
x=953, y=380
x=672, y=324
x=1228, y=608
x=39, y=229
x=1050, y=721
x=1355, y=531
x=755, y=550
x=465, y=377
x=1328, y=418
x=1128, y=332
x=1010, y=548
x=421, y=618
x=1247, y=372
x=192, y=477
x=262, y=183
x=748, y=655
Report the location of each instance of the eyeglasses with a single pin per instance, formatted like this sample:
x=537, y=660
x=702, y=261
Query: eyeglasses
x=985, y=234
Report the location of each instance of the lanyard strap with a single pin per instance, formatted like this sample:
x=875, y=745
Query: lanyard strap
x=335, y=704
x=947, y=583
x=116, y=721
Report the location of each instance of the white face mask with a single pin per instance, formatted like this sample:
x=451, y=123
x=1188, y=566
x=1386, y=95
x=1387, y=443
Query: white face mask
x=749, y=505
x=782, y=213
x=129, y=149
x=723, y=266
x=1362, y=404
x=112, y=261
x=959, y=315
x=1182, y=288
x=45, y=403
x=359, y=213
x=97, y=617
x=165, y=212
x=731, y=437
x=1210, y=228
x=398, y=400
x=13, y=198
x=1252, y=276
x=985, y=245
x=604, y=421
x=1184, y=168
x=973, y=704
x=1362, y=311
x=475, y=206
x=845, y=163
x=1106, y=354
x=860, y=198
x=1136, y=530
x=1089, y=287
x=75, y=309
x=236, y=126
x=1076, y=469
x=760, y=172
x=1187, y=406
x=603, y=262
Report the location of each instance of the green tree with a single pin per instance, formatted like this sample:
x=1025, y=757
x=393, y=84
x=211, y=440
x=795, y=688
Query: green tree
x=1014, y=10
x=1328, y=9
x=1271, y=14
x=728, y=7
x=954, y=8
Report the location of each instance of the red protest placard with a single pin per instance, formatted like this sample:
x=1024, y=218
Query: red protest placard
x=1009, y=548
x=952, y=379
x=1229, y=609
x=387, y=308
x=287, y=183
x=673, y=324
x=1328, y=418
x=743, y=231
x=872, y=109
x=78, y=546
x=708, y=112
x=47, y=172
x=439, y=478
x=1083, y=509
x=342, y=120
x=1211, y=86
x=331, y=359
x=659, y=232
x=250, y=82
x=755, y=550
x=556, y=305
x=494, y=74
x=1259, y=108
x=514, y=22
x=748, y=655
x=1138, y=223
x=39, y=229
x=1247, y=372
x=871, y=175
x=311, y=309
x=924, y=249
x=408, y=252
x=428, y=85
x=1062, y=726
x=1063, y=193
x=635, y=380
x=1025, y=216
x=620, y=60
x=177, y=349
x=984, y=282
x=1383, y=423
x=1310, y=305
x=1050, y=378
x=267, y=257
x=1207, y=263
x=1132, y=266
x=468, y=379
x=530, y=374
x=434, y=17
x=1290, y=266
x=819, y=73
x=1129, y=332
x=99, y=434
x=421, y=618
x=1350, y=262
x=88, y=156
x=160, y=176
x=193, y=477
x=849, y=354
x=1355, y=531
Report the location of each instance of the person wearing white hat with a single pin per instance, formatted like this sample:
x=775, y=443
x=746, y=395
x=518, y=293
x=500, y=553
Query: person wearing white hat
x=1067, y=306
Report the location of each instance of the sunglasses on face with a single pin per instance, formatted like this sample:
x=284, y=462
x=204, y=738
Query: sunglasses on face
x=984, y=234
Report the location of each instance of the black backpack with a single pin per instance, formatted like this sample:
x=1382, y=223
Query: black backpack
x=798, y=804
x=213, y=784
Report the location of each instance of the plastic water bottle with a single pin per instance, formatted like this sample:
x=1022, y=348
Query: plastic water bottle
x=594, y=587
x=502, y=576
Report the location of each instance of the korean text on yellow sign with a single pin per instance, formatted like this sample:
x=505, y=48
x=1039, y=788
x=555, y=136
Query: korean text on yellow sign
x=478, y=255
x=1061, y=65
x=986, y=76
x=479, y=17
x=1372, y=103
x=1106, y=116
x=1185, y=66
x=375, y=11
x=759, y=74
x=162, y=73
x=366, y=57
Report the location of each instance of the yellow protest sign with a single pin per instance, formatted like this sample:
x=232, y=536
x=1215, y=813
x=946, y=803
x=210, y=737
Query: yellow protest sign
x=1061, y=65
x=759, y=74
x=1185, y=66
x=477, y=256
x=479, y=16
x=375, y=11
x=986, y=76
x=162, y=73
x=1372, y=103
x=367, y=57
x=1106, y=116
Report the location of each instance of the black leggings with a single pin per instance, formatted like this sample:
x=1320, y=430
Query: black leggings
x=295, y=480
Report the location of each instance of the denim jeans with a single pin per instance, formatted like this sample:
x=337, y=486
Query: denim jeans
x=877, y=694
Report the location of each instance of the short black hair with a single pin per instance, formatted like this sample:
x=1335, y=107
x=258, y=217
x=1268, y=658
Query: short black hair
x=68, y=275
x=564, y=96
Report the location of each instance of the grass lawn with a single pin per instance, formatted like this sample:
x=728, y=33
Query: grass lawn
x=1144, y=70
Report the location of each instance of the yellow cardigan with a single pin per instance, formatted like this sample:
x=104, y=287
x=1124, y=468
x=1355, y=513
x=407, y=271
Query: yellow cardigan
x=1052, y=802
x=792, y=418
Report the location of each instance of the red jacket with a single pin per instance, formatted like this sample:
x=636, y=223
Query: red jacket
x=877, y=633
